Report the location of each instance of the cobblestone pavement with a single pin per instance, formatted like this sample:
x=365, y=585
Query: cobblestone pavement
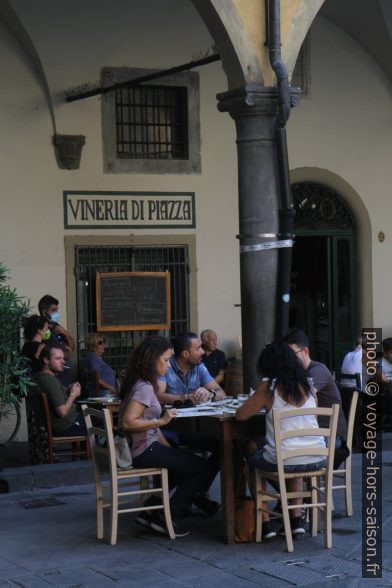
x=47, y=538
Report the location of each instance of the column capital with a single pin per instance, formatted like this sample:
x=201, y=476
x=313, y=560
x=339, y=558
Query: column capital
x=254, y=100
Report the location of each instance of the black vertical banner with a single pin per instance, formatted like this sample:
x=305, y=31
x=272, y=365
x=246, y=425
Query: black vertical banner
x=372, y=420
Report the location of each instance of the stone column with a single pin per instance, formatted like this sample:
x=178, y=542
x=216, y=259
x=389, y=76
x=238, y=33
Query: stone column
x=254, y=110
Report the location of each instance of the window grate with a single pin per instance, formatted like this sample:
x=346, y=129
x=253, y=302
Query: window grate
x=152, y=122
x=90, y=260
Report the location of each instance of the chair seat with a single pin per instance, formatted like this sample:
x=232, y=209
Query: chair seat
x=71, y=439
x=275, y=475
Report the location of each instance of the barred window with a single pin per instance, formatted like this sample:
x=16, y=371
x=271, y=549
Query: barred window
x=152, y=122
x=152, y=128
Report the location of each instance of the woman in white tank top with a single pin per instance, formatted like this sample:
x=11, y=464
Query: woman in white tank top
x=284, y=387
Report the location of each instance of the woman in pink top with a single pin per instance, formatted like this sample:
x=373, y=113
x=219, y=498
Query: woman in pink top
x=140, y=414
x=284, y=387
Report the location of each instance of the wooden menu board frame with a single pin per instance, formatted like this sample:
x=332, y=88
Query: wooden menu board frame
x=103, y=325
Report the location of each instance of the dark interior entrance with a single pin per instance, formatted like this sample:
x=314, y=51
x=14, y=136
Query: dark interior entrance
x=323, y=301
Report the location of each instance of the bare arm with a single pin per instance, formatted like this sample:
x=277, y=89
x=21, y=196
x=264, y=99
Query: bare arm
x=213, y=386
x=39, y=349
x=133, y=421
x=220, y=376
x=64, y=409
x=59, y=330
x=103, y=384
x=166, y=398
x=262, y=398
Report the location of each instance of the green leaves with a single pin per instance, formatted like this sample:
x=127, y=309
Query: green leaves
x=14, y=369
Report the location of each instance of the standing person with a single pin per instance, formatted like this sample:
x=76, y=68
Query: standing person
x=94, y=362
x=285, y=386
x=140, y=414
x=36, y=332
x=48, y=307
x=327, y=392
x=66, y=420
x=214, y=359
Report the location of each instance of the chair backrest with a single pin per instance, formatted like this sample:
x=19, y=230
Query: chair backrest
x=348, y=380
x=351, y=418
x=327, y=432
x=35, y=404
x=45, y=402
x=99, y=424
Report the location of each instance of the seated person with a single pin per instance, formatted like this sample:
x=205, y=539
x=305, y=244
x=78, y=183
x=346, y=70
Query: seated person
x=140, y=413
x=66, y=420
x=214, y=359
x=327, y=392
x=36, y=332
x=188, y=379
x=352, y=364
x=95, y=363
x=285, y=386
x=386, y=362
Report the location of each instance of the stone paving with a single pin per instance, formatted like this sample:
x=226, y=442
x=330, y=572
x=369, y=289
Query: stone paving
x=47, y=538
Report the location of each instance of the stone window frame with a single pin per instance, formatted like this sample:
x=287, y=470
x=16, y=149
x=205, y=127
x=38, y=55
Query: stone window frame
x=114, y=164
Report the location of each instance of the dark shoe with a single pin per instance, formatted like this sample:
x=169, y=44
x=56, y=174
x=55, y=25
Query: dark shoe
x=144, y=519
x=209, y=507
x=157, y=522
x=268, y=531
x=297, y=527
x=179, y=531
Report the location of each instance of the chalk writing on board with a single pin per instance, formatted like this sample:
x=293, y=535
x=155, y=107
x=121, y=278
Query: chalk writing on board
x=133, y=300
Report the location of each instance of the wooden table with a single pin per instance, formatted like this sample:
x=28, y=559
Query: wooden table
x=229, y=431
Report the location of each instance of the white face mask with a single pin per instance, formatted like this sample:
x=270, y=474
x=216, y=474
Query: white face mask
x=54, y=317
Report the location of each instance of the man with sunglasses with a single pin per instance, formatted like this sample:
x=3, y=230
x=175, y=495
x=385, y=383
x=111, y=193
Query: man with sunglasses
x=327, y=391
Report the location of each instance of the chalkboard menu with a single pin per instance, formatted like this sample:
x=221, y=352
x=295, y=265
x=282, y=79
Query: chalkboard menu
x=133, y=301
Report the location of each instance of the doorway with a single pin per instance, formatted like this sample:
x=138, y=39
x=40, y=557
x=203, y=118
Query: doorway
x=323, y=297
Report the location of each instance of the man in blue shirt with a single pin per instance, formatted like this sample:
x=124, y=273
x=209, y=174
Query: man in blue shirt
x=188, y=379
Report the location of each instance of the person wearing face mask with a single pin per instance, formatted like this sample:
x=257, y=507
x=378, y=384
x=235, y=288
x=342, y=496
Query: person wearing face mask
x=48, y=307
x=36, y=334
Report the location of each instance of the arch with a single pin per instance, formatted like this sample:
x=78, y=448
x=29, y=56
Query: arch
x=239, y=56
x=363, y=232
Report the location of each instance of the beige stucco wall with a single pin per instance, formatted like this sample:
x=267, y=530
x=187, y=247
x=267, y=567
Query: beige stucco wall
x=341, y=134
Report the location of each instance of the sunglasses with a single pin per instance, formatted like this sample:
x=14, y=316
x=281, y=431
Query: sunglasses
x=101, y=342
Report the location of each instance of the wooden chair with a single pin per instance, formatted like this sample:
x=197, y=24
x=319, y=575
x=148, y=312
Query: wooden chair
x=57, y=443
x=112, y=484
x=345, y=472
x=312, y=492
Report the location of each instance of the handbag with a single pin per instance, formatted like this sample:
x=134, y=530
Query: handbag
x=123, y=453
x=245, y=513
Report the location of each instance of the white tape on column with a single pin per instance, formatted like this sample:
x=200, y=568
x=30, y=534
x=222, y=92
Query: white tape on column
x=266, y=245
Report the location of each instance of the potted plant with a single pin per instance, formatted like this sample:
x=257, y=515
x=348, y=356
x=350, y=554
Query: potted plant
x=14, y=369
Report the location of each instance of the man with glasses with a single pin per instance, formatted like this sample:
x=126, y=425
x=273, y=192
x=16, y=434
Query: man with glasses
x=327, y=391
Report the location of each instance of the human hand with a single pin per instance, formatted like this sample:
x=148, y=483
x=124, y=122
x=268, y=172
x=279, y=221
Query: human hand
x=168, y=416
x=201, y=395
x=75, y=390
x=59, y=330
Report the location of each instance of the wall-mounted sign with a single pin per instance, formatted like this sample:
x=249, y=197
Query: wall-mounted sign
x=133, y=301
x=129, y=210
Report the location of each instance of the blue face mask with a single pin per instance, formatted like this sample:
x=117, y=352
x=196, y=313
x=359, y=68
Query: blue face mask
x=54, y=317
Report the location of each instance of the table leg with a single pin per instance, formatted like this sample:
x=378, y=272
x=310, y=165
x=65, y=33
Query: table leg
x=227, y=482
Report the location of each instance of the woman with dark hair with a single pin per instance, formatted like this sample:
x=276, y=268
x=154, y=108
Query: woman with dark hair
x=36, y=332
x=284, y=387
x=140, y=414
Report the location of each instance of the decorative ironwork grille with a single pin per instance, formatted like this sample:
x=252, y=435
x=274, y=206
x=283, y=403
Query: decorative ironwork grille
x=318, y=207
x=152, y=122
x=92, y=259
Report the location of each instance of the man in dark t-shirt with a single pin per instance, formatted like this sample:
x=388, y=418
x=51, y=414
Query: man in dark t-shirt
x=214, y=359
x=66, y=420
x=327, y=391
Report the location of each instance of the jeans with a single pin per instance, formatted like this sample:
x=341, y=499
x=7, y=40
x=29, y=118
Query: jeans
x=78, y=428
x=189, y=473
x=257, y=461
